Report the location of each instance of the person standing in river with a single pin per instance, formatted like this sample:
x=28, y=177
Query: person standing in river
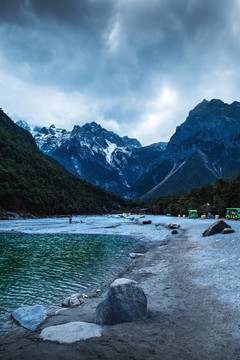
x=70, y=219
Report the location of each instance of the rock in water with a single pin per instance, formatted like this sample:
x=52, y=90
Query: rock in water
x=71, y=332
x=125, y=301
x=30, y=317
x=216, y=227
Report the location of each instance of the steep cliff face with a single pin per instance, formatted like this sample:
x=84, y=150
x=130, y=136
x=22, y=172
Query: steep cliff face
x=205, y=147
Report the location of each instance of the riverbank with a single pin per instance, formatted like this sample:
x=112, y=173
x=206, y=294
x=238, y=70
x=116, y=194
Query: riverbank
x=191, y=285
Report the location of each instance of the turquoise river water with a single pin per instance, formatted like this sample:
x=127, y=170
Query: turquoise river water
x=45, y=269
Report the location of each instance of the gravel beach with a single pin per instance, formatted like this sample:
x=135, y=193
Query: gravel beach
x=192, y=288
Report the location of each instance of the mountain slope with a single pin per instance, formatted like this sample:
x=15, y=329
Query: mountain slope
x=33, y=182
x=97, y=155
x=204, y=148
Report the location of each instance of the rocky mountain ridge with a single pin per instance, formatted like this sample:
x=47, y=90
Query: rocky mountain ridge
x=97, y=155
x=203, y=148
x=34, y=183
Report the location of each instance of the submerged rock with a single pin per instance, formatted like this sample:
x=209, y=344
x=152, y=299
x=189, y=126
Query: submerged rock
x=71, y=332
x=125, y=301
x=216, y=227
x=30, y=317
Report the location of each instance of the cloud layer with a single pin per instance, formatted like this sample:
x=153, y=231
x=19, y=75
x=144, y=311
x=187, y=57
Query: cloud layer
x=136, y=67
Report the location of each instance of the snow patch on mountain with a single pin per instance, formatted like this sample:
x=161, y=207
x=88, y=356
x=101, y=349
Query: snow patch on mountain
x=109, y=150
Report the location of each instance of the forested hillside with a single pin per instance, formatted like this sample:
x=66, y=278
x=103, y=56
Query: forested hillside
x=33, y=182
x=214, y=198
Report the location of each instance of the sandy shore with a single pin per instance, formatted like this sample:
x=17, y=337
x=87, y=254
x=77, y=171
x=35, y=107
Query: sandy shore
x=193, y=295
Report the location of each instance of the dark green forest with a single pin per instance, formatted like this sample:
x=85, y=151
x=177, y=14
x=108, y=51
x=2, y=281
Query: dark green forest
x=31, y=182
x=210, y=197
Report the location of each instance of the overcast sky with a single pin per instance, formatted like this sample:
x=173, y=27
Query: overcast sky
x=137, y=67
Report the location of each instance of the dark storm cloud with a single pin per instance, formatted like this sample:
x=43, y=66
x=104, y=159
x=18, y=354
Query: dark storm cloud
x=123, y=54
x=73, y=12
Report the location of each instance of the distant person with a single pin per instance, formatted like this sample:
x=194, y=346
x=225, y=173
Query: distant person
x=70, y=219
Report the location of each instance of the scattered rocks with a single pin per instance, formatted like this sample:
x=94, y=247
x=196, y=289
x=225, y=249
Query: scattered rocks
x=71, y=332
x=125, y=301
x=145, y=222
x=9, y=215
x=72, y=301
x=135, y=255
x=216, y=227
x=30, y=317
x=173, y=226
x=227, y=231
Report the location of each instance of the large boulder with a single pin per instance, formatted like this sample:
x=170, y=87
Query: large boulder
x=216, y=227
x=125, y=301
x=71, y=332
x=30, y=317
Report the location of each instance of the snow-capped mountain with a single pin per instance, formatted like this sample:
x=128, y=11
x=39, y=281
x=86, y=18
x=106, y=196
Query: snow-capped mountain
x=97, y=155
x=203, y=148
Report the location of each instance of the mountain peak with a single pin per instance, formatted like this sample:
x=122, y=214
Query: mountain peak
x=201, y=106
x=23, y=124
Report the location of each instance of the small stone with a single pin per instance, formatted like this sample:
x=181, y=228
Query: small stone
x=84, y=296
x=72, y=301
x=135, y=255
x=146, y=222
x=173, y=226
x=227, y=231
x=174, y=232
x=30, y=317
x=98, y=290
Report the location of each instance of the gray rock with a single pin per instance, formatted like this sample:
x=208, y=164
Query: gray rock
x=210, y=215
x=135, y=255
x=216, y=227
x=72, y=301
x=146, y=222
x=125, y=301
x=71, y=332
x=173, y=226
x=227, y=231
x=30, y=317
